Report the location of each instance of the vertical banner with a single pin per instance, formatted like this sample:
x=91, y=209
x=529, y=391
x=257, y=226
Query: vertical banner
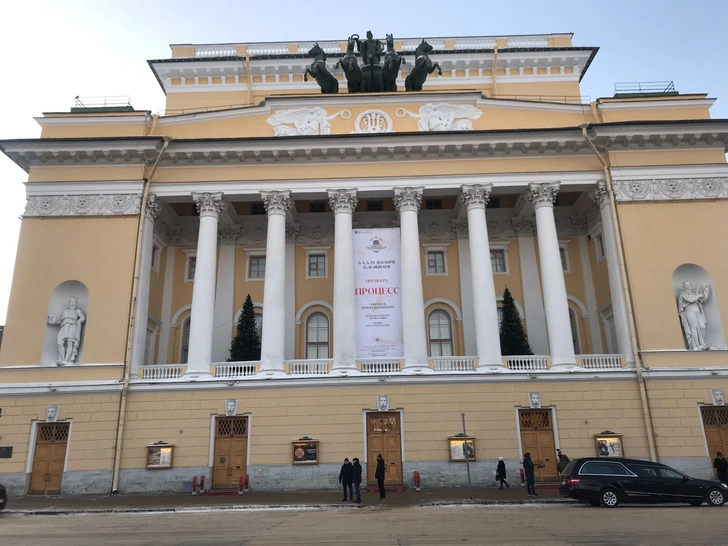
x=377, y=281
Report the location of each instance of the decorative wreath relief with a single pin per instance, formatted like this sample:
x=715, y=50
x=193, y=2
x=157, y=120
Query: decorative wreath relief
x=373, y=121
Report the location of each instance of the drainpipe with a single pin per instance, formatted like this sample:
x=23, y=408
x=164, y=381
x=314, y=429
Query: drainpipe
x=495, y=71
x=249, y=77
x=651, y=442
x=147, y=182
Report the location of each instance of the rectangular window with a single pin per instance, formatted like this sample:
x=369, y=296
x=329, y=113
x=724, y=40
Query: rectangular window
x=257, y=208
x=190, y=269
x=599, y=246
x=433, y=204
x=564, y=260
x=257, y=267
x=155, y=258
x=436, y=263
x=375, y=205
x=316, y=265
x=498, y=261
x=317, y=206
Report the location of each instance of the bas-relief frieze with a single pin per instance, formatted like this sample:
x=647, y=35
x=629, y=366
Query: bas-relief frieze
x=670, y=189
x=441, y=117
x=83, y=205
x=304, y=121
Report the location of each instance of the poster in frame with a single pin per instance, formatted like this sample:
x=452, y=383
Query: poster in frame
x=305, y=451
x=609, y=444
x=458, y=447
x=159, y=455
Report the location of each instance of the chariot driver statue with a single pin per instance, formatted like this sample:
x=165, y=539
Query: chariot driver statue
x=69, y=335
x=371, y=49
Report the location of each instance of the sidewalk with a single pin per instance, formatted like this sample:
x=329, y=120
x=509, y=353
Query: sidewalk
x=270, y=500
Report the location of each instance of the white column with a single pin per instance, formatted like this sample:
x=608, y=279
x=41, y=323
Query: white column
x=616, y=283
x=289, y=351
x=466, y=288
x=141, y=309
x=487, y=337
x=277, y=205
x=209, y=206
x=532, y=297
x=591, y=297
x=542, y=196
x=343, y=203
x=407, y=200
x=222, y=333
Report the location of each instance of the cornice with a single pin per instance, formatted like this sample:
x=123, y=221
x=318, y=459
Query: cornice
x=636, y=104
x=80, y=119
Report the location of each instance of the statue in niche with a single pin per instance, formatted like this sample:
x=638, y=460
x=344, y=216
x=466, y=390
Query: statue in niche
x=692, y=316
x=69, y=335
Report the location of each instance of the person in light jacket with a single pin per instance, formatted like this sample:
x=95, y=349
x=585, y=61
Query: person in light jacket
x=346, y=477
x=379, y=475
x=357, y=480
x=500, y=474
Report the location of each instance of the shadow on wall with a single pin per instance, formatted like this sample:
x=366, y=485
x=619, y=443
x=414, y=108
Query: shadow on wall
x=697, y=308
x=65, y=325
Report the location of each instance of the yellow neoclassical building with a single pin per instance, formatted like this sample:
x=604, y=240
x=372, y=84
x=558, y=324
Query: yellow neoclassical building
x=375, y=226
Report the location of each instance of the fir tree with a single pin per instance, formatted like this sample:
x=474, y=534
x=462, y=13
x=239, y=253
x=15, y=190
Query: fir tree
x=246, y=344
x=513, y=338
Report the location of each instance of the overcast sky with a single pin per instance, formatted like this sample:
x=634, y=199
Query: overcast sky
x=57, y=49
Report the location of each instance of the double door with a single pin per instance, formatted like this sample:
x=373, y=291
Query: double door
x=49, y=458
x=384, y=437
x=537, y=438
x=715, y=423
x=231, y=452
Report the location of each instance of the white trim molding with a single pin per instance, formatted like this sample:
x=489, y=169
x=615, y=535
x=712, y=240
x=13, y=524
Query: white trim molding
x=502, y=245
x=449, y=303
x=310, y=304
x=435, y=247
x=317, y=251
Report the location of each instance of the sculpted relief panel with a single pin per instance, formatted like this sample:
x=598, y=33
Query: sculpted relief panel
x=442, y=117
x=304, y=121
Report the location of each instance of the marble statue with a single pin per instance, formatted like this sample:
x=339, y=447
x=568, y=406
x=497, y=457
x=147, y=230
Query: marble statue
x=69, y=334
x=383, y=402
x=52, y=413
x=534, y=400
x=717, y=397
x=231, y=407
x=692, y=316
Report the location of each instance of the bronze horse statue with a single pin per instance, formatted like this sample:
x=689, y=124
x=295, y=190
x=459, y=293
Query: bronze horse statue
x=326, y=80
x=392, y=62
x=352, y=70
x=423, y=67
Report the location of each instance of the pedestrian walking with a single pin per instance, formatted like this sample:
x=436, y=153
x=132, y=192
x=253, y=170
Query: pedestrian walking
x=720, y=466
x=346, y=477
x=530, y=471
x=379, y=475
x=500, y=474
x=357, y=480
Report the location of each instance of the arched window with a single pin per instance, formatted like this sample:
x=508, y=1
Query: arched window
x=317, y=336
x=259, y=324
x=185, y=342
x=574, y=331
x=440, y=333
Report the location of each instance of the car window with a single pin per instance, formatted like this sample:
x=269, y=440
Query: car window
x=604, y=468
x=670, y=473
x=644, y=471
x=569, y=468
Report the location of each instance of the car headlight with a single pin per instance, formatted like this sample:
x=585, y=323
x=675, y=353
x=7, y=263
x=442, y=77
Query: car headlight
x=724, y=486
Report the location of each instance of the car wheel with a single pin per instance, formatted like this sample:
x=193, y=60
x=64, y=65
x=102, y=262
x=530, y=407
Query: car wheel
x=608, y=498
x=715, y=497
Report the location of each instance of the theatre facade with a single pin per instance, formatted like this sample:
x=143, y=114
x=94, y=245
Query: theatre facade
x=375, y=231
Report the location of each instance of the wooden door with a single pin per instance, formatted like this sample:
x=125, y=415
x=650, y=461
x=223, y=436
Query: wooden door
x=537, y=437
x=231, y=452
x=49, y=457
x=384, y=436
x=715, y=423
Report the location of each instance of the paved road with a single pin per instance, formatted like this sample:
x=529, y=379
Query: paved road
x=532, y=525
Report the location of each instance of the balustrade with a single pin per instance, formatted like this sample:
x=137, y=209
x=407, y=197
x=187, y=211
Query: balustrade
x=234, y=370
x=376, y=365
x=453, y=364
x=529, y=363
x=161, y=371
x=309, y=367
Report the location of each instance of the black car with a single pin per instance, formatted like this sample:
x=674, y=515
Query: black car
x=607, y=482
x=3, y=497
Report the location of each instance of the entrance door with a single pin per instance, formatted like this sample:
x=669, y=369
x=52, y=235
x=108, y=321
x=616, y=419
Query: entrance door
x=49, y=457
x=715, y=423
x=384, y=436
x=537, y=437
x=231, y=452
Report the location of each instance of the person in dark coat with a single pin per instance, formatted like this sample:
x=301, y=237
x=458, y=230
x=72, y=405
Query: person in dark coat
x=346, y=477
x=720, y=465
x=379, y=475
x=530, y=470
x=563, y=461
x=500, y=474
x=357, y=480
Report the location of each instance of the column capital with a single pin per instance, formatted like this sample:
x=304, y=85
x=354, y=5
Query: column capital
x=600, y=195
x=343, y=201
x=277, y=202
x=292, y=234
x=408, y=199
x=209, y=204
x=542, y=194
x=460, y=227
x=227, y=235
x=476, y=196
x=152, y=210
x=524, y=227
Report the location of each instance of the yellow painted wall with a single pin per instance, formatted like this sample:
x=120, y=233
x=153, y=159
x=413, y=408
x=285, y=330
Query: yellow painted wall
x=657, y=113
x=96, y=251
x=96, y=131
x=659, y=237
x=642, y=158
x=156, y=285
x=85, y=173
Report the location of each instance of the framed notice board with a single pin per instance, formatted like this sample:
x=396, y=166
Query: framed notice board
x=305, y=451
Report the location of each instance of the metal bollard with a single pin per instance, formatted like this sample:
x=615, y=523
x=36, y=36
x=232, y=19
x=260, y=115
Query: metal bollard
x=202, y=483
x=240, y=485
x=194, y=485
x=417, y=481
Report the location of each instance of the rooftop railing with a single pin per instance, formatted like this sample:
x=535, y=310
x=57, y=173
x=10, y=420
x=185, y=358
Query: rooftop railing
x=631, y=89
